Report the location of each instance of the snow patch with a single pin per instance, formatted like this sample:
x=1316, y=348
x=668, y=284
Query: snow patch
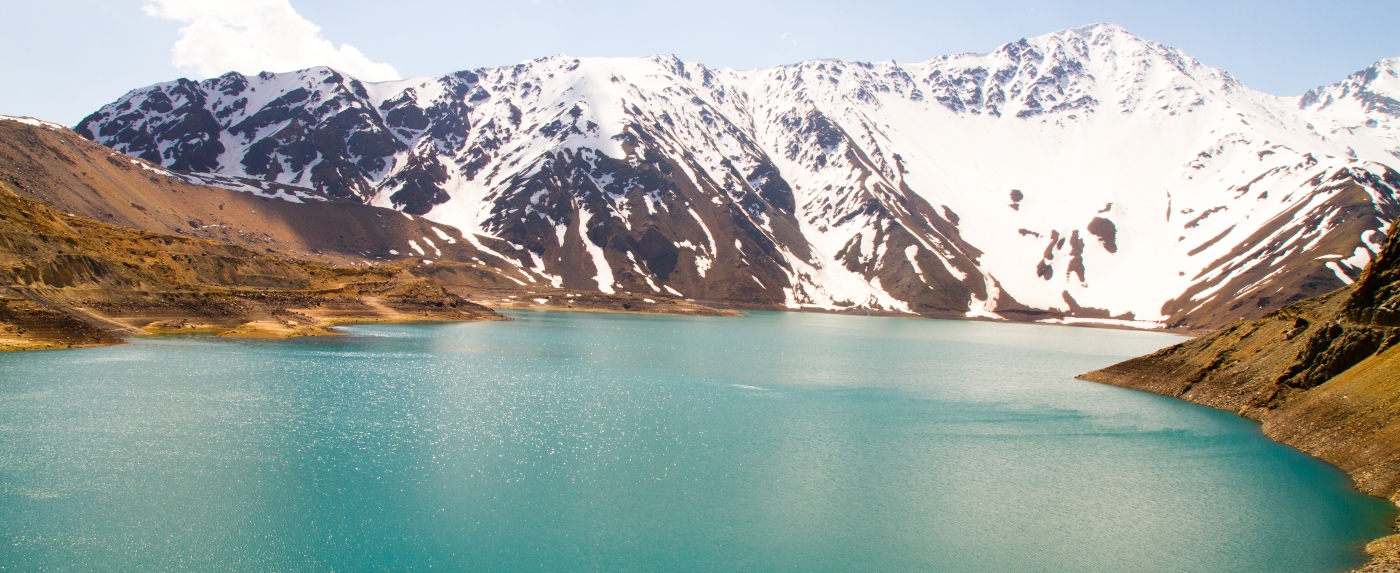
x=1142, y=324
x=444, y=236
x=34, y=122
x=1341, y=274
x=604, y=275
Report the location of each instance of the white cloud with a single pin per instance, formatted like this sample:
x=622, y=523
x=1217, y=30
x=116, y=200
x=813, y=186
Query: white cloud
x=252, y=36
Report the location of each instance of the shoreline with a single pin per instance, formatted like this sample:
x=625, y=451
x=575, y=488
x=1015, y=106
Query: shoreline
x=320, y=323
x=1321, y=375
x=26, y=326
x=1383, y=552
x=1345, y=420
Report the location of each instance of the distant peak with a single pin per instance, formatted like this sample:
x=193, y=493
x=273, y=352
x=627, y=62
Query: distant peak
x=1387, y=64
x=1092, y=33
x=1104, y=31
x=1099, y=28
x=1377, y=79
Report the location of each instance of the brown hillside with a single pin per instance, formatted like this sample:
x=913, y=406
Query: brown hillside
x=67, y=280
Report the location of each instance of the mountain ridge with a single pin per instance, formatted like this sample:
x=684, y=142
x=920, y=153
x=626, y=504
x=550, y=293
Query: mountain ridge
x=51, y=165
x=1020, y=183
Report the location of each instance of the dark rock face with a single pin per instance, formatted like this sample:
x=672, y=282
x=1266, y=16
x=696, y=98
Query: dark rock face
x=188, y=128
x=1042, y=83
x=570, y=204
x=419, y=185
x=1107, y=234
x=1351, y=203
x=1376, y=299
x=1076, y=255
x=320, y=131
x=659, y=253
x=1332, y=349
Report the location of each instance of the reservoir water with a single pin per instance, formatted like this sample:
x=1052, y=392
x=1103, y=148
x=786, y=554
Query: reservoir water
x=594, y=442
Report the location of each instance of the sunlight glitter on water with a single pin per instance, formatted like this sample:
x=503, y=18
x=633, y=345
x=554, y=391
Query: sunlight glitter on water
x=782, y=442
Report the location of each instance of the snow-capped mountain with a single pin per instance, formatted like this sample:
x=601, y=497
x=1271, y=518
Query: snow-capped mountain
x=1085, y=175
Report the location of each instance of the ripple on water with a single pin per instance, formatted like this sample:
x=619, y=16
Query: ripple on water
x=576, y=441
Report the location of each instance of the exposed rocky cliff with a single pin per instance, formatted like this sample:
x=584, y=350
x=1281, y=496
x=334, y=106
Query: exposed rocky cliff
x=1322, y=375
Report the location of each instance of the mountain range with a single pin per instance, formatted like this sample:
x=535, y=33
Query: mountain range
x=1084, y=176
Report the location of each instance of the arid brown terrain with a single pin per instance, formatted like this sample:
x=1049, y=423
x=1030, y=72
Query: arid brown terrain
x=1322, y=375
x=67, y=280
x=96, y=246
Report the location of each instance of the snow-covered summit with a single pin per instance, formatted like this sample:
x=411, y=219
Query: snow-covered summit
x=1086, y=174
x=1374, y=90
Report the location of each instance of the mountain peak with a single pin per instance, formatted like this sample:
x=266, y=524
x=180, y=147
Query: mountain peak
x=1100, y=28
x=1385, y=72
x=1139, y=179
x=1373, y=90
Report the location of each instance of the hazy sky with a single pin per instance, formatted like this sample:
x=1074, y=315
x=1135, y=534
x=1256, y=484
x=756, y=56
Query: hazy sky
x=62, y=59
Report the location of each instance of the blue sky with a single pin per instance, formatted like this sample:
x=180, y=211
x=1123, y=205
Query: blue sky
x=61, y=59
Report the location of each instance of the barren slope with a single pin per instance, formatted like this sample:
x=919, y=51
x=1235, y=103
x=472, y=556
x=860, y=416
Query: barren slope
x=67, y=280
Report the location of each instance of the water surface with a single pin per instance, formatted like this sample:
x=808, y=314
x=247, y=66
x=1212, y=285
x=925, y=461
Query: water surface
x=592, y=442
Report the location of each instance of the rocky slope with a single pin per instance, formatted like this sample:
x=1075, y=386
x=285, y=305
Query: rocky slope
x=67, y=280
x=1322, y=375
x=1085, y=175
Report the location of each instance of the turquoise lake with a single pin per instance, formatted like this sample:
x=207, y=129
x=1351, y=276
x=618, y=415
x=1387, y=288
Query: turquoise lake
x=596, y=442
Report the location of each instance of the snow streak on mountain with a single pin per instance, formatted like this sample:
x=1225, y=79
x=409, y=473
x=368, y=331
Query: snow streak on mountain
x=1085, y=175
